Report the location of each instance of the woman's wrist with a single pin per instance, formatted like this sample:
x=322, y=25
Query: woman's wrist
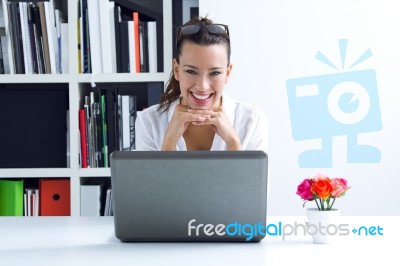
x=234, y=144
x=168, y=145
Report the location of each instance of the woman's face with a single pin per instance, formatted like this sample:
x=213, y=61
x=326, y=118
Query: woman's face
x=202, y=73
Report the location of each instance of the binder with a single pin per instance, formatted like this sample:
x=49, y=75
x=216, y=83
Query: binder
x=84, y=146
x=11, y=197
x=90, y=200
x=55, y=197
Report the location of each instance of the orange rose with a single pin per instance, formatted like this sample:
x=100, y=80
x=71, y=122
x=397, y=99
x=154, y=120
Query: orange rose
x=322, y=188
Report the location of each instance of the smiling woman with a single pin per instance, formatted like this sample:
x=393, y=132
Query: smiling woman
x=194, y=112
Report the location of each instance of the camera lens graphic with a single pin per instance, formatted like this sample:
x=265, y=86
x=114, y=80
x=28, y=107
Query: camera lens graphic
x=348, y=102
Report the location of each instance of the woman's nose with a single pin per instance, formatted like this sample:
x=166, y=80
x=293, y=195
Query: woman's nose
x=202, y=84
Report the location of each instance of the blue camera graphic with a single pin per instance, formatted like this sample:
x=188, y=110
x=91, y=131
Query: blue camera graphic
x=324, y=106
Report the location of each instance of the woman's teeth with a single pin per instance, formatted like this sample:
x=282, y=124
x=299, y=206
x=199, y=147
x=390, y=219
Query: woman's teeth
x=201, y=97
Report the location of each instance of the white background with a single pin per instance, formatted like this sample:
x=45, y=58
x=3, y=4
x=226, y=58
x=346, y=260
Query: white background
x=273, y=41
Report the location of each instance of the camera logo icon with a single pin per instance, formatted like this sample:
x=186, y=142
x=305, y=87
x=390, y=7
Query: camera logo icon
x=344, y=103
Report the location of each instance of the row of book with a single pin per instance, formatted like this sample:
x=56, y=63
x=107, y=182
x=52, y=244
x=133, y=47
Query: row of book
x=94, y=202
x=35, y=38
x=111, y=43
x=106, y=123
x=51, y=197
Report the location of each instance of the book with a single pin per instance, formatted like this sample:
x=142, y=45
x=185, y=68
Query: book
x=64, y=48
x=51, y=35
x=32, y=39
x=125, y=118
x=31, y=202
x=110, y=121
x=108, y=210
x=9, y=62
x=84, y=38
x=23, y=10
x=45, y=40
x=83, y=136
x=132, y=120
x=105, y=35
x=2, y=71
x=113, y=51
x=17, y=47
x=95, y=37
x=103, y=111
x=124, y=47
x=11, y=197
x=137, y=40
x=131, y=41
x=89, y=149
x=90, y=200
x=152, y=46
x=39, y=48
x=117, y=20
x=144, y=53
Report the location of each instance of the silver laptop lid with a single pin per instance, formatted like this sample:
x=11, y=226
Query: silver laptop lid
x=189, y=196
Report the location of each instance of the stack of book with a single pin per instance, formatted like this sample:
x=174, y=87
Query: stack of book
x=106, y=123
x=34, y=38
x=109, y=42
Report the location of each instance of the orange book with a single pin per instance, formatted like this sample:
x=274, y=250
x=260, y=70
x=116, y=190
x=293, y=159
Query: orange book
x=137, y=40
x=55, y=197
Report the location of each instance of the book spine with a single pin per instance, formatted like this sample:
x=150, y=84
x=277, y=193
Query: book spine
x=95, y=36
x=131, y=41
x=117, y=20
x=110, y=122
x=124, y=49
x=45, y=40
x=8, y=37
x=32, y=39
x=137, y=40
x=37, y=29
x=152, y=45
x=82, y=129
x=105, y=35
x=104, y=129
x=132, y=120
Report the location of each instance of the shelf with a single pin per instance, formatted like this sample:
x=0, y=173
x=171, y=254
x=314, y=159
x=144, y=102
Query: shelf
x=97, y=172
x=123, y=77
x=34, y=172
x=34, y=78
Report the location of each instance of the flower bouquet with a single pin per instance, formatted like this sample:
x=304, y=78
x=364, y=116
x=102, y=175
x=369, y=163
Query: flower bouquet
x=323, y=190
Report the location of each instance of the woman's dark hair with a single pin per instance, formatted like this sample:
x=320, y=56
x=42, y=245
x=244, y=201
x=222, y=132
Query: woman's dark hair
x=201, y=36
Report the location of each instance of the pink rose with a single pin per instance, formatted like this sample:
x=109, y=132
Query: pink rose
x=339, y=186
x=303, y=190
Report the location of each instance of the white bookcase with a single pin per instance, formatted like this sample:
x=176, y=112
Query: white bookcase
x=76, y=83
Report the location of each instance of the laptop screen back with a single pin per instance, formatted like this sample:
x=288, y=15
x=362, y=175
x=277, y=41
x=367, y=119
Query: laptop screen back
x=189, y=196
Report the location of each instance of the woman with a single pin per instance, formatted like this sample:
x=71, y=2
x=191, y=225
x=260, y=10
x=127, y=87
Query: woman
x=194, y=113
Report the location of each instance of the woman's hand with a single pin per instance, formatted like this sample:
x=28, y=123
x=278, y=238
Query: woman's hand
x=219, y=121
x=180, y=121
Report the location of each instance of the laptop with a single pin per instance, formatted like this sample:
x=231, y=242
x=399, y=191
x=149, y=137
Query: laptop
x=189, y=195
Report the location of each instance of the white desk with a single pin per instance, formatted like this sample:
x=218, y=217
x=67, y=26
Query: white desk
x=74, y=241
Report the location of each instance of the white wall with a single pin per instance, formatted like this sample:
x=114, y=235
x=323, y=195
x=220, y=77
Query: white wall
x=274, y=41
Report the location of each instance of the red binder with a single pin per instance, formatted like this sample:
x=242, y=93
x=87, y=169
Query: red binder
x=55, y=197
x=82, y=129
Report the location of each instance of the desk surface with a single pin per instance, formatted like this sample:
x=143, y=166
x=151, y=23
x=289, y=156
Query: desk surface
x=90, y=241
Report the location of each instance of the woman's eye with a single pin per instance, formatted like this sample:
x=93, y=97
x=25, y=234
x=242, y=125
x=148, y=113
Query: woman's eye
x=192, y=72
x=215, y=73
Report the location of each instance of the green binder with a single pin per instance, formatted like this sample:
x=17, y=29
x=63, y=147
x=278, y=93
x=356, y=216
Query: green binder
x=11, y=197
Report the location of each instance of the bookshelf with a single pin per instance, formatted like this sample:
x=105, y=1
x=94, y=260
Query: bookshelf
x=75, y=85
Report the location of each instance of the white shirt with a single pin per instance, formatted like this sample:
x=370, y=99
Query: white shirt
x=249, y=123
